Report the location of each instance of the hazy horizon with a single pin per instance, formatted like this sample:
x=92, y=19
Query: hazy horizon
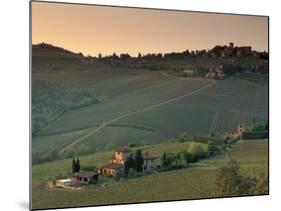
x=107, y=30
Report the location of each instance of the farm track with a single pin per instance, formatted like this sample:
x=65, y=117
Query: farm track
x=118, y=99
x=103, y=125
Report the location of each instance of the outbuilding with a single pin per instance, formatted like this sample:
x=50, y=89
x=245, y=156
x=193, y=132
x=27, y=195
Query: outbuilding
x=85, y=177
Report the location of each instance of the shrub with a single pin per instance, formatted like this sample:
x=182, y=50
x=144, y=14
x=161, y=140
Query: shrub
x=117, y=176
x=132, y=173
x=166, y=161
x=257, y=127
x=255, y=135
x=197, y=151
x=182, y=136
x=212, y=148
x=231, y=183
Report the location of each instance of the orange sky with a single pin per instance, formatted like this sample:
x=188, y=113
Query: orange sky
x=98, y=29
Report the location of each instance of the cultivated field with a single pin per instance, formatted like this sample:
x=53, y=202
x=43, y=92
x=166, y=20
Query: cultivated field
x=89, y=109
x=147, y=107
x=196, y=181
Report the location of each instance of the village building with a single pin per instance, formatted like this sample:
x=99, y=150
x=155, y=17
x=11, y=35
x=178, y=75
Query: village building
x=235, y=134
x=188, y=73
x=212, y=74
x=85, y=177
x=216, y=73
x=149, y=163
x=244, y=51
x=121, y=155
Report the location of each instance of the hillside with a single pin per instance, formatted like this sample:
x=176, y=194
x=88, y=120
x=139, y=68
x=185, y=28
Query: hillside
x=48, y=50
x=146, y=108
x=142, y=106
x=196, y=181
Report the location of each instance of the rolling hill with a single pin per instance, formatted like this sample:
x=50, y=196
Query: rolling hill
x=142, y=106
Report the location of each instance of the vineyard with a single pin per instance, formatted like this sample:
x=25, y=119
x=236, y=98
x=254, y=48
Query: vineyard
x=148, y=110
x=50, y=100
x=213, y=110
x=197, y=181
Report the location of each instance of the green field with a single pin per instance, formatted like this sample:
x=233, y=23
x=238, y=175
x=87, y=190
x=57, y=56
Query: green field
x=196, y=181
x=89, y=109
x=147, y=107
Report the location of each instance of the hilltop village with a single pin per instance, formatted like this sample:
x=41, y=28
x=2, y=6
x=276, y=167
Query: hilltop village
x=217, y=63
x=229, y=60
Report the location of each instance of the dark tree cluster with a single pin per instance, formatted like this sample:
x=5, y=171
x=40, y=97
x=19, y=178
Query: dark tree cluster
x=75, y=165
x=134, y=162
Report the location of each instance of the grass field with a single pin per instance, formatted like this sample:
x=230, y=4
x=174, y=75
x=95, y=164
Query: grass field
x=196, y=181
x=214, y=109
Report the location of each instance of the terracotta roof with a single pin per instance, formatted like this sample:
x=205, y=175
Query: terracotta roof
x=84, y=174
x=113, y=166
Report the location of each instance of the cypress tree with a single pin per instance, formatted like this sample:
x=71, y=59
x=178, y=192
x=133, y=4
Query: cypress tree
x=73, y=166
x=138, y=161
x=164, y=160
x=77, y=165
x=130, y=163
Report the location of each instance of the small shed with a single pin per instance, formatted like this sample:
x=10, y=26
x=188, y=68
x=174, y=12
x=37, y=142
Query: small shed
x=85, y=176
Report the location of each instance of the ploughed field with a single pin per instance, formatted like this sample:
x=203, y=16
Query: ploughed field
x=195, y=181
x=145, y=107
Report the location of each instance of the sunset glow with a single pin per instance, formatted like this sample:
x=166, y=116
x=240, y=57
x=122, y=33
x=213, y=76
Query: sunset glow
x=99, y=29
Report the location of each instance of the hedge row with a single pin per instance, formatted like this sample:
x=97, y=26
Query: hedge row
x=255, y=135
x=205, y=140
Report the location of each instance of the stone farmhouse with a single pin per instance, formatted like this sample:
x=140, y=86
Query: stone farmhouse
x=117, y=162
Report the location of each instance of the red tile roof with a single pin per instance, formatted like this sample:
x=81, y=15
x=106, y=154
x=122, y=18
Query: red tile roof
x=123, y=149
x=113, y=166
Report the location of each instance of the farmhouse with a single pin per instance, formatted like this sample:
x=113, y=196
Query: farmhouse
x=111, y=169
x=120, y=156
x=85, y=177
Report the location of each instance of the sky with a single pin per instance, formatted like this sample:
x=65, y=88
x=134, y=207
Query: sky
x=98, y=29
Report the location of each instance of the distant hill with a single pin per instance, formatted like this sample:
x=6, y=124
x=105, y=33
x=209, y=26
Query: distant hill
x=48, y=50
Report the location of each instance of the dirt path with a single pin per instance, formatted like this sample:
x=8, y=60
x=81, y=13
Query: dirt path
x=135, y=112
